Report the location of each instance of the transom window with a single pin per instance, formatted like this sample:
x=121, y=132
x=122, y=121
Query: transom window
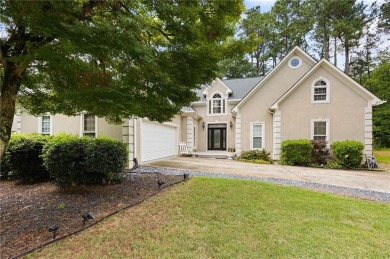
x=217, y=104
x=257, y=130
x=89, y=125
x=320, y=92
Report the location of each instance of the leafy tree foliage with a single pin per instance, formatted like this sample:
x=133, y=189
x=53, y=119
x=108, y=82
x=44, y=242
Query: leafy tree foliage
x=384, y=22
x=110, y=58
x=379, y=84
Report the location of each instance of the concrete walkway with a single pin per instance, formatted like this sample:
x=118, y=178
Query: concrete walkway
x=367, y=180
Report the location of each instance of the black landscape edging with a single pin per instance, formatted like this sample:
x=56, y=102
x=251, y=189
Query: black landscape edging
x=92, y=224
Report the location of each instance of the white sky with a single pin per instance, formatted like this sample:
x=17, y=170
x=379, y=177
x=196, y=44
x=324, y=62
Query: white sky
x=266, y=5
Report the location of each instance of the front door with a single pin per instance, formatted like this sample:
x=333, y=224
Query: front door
x=217, y=136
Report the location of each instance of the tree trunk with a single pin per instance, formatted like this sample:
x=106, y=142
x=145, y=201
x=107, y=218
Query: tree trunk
x=326, y=44
x=346, y=52
x=9, y=90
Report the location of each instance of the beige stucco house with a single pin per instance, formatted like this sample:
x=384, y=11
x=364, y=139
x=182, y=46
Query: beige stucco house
x=299, y=98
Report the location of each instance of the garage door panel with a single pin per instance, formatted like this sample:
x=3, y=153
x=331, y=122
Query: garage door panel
x=157, y=141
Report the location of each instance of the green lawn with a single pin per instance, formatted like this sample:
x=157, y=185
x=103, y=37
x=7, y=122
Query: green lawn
x=221, y=218
x=382, y=155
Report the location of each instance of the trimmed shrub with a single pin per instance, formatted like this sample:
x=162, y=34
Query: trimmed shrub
x=256, y=155
x=5, y=167
x=106, y=159
x=24, y=158
x=348, y=153
x=65, y=161
x=75, y=161
x=319, y=152
x=296, y=152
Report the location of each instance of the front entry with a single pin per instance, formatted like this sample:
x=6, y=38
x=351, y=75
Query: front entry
x=216, y=136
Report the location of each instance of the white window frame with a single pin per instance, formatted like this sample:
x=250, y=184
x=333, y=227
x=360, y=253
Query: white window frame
x=327, y=136
x=210, y=109
x=299, y=64
x=82, y=125
x=313, y=86
x=262, y=135
x=40, y=120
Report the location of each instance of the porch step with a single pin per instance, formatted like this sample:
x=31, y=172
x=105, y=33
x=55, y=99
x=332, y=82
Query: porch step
x=216, y=155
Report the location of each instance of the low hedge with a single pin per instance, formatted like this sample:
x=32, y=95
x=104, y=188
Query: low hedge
x=75, y=161
x=23, y=158
x=296, y=152
x=256, y=155
x=348, y=153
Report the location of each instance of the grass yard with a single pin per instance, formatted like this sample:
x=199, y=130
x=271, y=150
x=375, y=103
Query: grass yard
x=382, y=155
x=222, y=218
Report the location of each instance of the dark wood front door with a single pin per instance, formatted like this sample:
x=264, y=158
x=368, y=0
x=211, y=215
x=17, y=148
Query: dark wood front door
x=217, y=136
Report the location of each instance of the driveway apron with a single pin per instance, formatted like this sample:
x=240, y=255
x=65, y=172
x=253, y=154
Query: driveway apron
x=367, y=180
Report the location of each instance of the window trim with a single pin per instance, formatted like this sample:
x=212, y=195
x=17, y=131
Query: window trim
x=313, y=86
x=40, y=120
x=327, y=139
x=82, y=125
x=299, y=64
x=262, y=135
x=210, y=105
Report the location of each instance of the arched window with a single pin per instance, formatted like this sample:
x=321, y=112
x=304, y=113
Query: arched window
x=320, y=91
x=217, y=104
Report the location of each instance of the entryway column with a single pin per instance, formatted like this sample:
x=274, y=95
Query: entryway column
x=128, y=139
x=368, y=130
x=18, y=118
x=277, y=134
x=190, y=133
x=238, y=133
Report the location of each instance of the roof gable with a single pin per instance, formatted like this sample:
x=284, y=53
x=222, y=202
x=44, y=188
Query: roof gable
x=296, y=51
x=340, y=75
x=239, y=87
x=215, y=82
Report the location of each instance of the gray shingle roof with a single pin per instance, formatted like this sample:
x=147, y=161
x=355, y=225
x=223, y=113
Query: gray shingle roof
x=240, y=87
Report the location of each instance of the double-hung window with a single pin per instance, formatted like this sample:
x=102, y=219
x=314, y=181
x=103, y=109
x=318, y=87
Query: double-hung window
x=89, y=125
x=320, y=92
x=257, y=135
x=320, y=130
x=45, y=125
x=217, y=105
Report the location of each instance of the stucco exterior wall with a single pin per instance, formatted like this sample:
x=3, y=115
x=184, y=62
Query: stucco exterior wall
x=255, y=109
x=69, y=124
x=346, y=110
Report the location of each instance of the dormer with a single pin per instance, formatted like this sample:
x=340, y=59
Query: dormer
x=217, y=84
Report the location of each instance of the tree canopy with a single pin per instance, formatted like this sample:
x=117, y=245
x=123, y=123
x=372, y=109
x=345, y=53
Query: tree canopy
x=113, y=59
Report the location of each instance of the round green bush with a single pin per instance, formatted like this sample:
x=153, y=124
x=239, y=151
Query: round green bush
x=75, y=161
x=296, y=152
x=348, y=153
x=24, y=157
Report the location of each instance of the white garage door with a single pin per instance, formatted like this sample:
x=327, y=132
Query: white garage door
x=157, y=141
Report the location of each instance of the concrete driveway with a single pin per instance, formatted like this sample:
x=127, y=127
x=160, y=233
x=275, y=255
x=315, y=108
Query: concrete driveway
x=368, y=180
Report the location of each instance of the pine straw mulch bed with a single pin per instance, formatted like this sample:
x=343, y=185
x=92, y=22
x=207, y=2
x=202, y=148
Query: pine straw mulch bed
x=27, y=211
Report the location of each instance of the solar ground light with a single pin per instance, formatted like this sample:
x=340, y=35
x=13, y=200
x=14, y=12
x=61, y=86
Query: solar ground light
x=54, y=230
x=87, y=216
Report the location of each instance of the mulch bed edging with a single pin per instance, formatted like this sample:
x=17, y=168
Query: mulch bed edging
x=20, y=230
